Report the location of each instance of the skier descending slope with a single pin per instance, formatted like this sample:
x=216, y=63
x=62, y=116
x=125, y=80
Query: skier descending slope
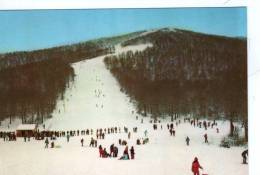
x=196, y=166
x=187, y=141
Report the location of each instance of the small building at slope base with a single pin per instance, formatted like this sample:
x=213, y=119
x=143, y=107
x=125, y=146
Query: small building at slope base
x=26, y=130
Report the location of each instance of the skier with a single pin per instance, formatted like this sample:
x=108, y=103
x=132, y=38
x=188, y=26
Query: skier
x=46, y=143
x=52, y=144
x=82, y=142
x=95, y=143
x=126, y=152
x=196, y=166
x=132, y=152
x=115, y=151
x=244, y=155
x=138, y=142
x=68, y=137
x=111, y=149
x=206, y=138
x=91, y=142
x=100, y=151
x=187, y=141
x=171, y=132
x=171, y=126
x=145, y=133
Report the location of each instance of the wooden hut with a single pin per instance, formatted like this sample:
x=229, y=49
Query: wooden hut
x=26, y=130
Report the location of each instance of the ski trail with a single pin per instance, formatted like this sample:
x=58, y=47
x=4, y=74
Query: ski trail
x=96, y=99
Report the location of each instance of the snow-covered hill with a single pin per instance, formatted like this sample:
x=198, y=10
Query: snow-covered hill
x=96, y=101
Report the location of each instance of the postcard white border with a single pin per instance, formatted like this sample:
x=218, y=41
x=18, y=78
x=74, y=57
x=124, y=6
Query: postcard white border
x=253, y=7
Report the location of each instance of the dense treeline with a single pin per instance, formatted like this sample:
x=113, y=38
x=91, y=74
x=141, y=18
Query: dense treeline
x=68, y=53
x=31, y=82
x=30, y=91
x=185, y=73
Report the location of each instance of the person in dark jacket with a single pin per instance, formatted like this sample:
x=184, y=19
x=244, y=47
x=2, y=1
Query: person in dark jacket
x=196, y=166
x=68, y=137
x=82, y=142
x=46, y=143
x=244, y=155
x=132, y=152
x=100, y=149
x=187, y=141
x=112, y=150
x=206, y=138
x=115, y=153
x=173, y=132
x=91, y=142
x=126, y=152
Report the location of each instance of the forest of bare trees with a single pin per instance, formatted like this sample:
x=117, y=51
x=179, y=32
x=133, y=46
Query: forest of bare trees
x=186, y=73
x=31, y=82
x=31, y=91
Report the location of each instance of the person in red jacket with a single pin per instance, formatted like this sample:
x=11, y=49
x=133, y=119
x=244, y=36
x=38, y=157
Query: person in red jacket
x=100, y=149
x=196, y=166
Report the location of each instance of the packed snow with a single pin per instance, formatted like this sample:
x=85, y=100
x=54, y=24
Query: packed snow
x=95, y=101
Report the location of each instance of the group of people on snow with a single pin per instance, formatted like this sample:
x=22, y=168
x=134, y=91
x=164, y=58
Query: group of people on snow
x=114, y=152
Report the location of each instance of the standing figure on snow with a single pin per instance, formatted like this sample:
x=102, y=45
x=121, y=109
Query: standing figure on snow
x=68, y=137
x=206, y=138
x=82, y=142
x=145, y=133
x=100, y=149
x=115, y=152
x=46, y=143
x=111, y=149
x=132, y=152
x=52, y=144
x=196, y=166
x=91, y=142
x=173, y=132
x=138, y=142
x=244, y=155
x=95, y=143
x=126, y=152
x=187, y=141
